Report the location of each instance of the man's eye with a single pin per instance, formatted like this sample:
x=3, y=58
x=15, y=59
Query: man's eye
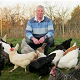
x=38, y=10
x=41, y=11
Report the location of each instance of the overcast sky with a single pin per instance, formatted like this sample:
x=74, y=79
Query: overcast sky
x=65, y=3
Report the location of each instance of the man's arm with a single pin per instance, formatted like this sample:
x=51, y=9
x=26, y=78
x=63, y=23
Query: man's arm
x=29, y=30
x=29, y=33
x=50, y=30
x=49, y=34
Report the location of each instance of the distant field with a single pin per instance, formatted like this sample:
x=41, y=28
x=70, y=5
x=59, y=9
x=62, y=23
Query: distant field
x=19, y=73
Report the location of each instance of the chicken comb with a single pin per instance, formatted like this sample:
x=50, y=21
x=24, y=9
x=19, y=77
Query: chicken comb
x=52, y=71
x=7, y=35
x=12, y=49
x=75, y=68
x=53, y=67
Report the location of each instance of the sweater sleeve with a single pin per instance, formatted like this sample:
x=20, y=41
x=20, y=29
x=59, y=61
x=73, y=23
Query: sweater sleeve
x=29, y=30
x=50, y=30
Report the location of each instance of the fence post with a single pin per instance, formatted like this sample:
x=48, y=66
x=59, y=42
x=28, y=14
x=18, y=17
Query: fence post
x=1, y=22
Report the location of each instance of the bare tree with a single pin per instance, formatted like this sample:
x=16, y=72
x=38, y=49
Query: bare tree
x=50, y=10
x=64, y=15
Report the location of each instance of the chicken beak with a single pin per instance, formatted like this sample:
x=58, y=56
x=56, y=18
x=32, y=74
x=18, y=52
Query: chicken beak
x=51, y=72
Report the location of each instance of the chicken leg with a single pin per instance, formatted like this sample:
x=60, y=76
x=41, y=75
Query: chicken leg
x=25, y=70
x=14, y=68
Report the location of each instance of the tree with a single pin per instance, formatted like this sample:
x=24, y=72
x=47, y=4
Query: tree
x=75, y=17
x=63, y=15
x=50, y=10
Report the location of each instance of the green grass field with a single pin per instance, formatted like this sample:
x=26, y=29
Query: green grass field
x=19, y=73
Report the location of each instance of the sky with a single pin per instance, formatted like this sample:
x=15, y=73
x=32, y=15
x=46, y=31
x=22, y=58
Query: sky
x=64, y=3
x=71, y=4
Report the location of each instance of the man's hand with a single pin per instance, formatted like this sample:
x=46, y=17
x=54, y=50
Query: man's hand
x=41, y=40
x=35, y=41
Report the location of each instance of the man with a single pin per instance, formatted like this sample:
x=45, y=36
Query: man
x=39, y=30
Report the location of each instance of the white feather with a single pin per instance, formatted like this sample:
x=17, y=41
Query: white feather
x=69, y=60
x=59, y=54
x=40, y=54
x=6, y=46
x=74, y=44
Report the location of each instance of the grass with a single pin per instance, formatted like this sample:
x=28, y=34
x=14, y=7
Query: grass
x=19, y=73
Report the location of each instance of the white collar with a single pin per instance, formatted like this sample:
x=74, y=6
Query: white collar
x=37, y=19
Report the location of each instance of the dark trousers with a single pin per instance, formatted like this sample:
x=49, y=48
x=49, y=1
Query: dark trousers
x=49, y=42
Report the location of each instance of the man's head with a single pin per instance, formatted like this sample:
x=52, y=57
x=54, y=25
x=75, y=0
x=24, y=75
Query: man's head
x=40, y=11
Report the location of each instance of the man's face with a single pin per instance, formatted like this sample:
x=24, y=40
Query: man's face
x=40, y=12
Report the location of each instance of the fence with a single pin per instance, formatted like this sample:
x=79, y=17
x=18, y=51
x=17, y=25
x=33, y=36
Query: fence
x=17, y=32
x=20, y=32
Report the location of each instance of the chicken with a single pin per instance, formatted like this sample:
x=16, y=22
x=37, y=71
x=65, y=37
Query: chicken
x=76, y=72
x=5, y=44
x=71, y=48
x=79, y=49
x=40, y=51
x=70, y=59
x=63, y=46
x=7, y=47
x=59, y=54
x=25, y=48
x=6, y=51
x=4, y=38
x=11, y=45
x=21, y=60
x=41, y=65
x=59, y=50
x=57, y=74
x=5, y=56
x=2, y=60
x=24, y=59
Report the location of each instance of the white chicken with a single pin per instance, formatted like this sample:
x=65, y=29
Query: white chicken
x=25, y=48
x=59, y=54
x=21, y=60
x=69, y=60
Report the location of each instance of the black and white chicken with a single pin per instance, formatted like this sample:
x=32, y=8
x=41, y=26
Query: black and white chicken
x=64, y=45
x=3, y=39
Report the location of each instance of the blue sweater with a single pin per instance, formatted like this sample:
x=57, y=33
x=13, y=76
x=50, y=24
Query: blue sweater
x=39, y=29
